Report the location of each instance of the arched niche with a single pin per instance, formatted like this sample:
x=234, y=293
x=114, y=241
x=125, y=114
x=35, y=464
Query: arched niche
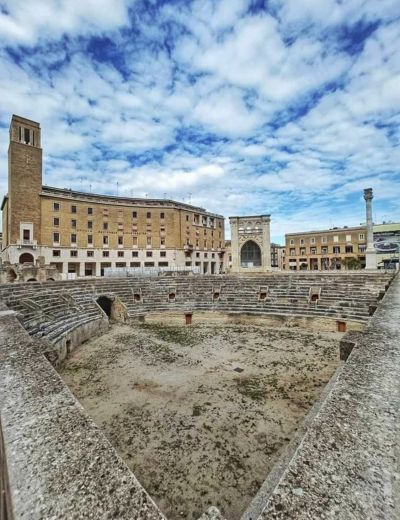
x=250, y=254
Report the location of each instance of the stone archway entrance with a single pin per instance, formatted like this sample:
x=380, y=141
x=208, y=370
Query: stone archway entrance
x=106, y=304
x=26, y=258
x=11, y=275
x=250, y=254
x=113, y=307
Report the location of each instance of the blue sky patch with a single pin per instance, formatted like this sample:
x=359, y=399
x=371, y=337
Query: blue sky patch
x=242, y=106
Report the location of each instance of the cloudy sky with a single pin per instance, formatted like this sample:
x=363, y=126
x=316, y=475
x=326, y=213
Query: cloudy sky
x=288, y=107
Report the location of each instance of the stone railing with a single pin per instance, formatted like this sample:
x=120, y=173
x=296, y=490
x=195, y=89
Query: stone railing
x=5, y=497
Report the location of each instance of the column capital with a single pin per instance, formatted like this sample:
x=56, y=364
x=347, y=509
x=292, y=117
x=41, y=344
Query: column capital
x=368, y=195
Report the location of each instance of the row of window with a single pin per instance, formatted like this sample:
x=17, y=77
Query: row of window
x=197, y=219
x=73, y=238
x=106, y=254
x=325, y=250
x=324, y=240
x=121, y=254
x=56, y=223
x=74, y=209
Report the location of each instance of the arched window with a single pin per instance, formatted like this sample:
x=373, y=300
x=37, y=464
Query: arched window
x=250, y=254
x=26, y=258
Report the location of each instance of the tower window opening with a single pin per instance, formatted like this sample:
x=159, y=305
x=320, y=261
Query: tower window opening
x=27, y=136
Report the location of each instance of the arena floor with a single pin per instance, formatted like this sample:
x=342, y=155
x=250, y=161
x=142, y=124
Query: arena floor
x=200, y=413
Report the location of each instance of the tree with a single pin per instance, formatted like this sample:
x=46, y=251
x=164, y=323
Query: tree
x=351, y=263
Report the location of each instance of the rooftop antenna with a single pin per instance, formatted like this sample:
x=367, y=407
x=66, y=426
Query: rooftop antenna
x=190, y=198
x=90, y=188
x=117, y=187
x=146, y=195
x=165, y=195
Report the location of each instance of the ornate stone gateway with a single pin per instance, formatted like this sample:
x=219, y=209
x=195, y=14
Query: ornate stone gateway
x=250, y=243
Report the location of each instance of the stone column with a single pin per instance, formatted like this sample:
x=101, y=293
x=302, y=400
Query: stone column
x=370, y=253
x=98, y=268
x=234, y=222
x=266, y=240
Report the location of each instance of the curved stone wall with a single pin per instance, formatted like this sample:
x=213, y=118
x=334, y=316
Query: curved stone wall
x=53, y=310
x=61, y=466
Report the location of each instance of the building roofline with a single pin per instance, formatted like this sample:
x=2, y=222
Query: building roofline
x=24, y=120
x=5, y=198
x=332, y=230
x=99, y=198
x=251, y=216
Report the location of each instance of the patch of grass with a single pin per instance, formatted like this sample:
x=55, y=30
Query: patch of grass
x=73, y=367
x=258, y=388
x=184, y=336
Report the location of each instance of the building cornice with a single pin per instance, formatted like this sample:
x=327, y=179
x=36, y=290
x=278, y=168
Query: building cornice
x=251, y=216
x=5, y=198
x=49, y=191
x=320, y=232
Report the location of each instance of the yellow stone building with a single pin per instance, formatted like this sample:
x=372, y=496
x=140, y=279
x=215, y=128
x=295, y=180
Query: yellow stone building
x=332, y=249
x=250, y=244
x=83, y=233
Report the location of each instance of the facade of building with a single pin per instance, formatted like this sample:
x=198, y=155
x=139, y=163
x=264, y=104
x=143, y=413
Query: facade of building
x=333, y=249
x=277, y=256
x=342, y=248
x=228, y=256
x=281, y=257
x=250, y=244
x=387, y=244
x=82, y=233
x=274, y=255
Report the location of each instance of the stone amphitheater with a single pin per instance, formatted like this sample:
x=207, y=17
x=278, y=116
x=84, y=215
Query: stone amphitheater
x=341, y=460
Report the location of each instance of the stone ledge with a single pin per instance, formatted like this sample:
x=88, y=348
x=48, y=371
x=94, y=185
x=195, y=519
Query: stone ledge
x=60, y=465
x=347, y=464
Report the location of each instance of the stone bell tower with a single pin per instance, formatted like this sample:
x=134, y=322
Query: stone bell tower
x=24, y=183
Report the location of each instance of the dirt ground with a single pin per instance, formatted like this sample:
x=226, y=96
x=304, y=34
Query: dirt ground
x=201, y=413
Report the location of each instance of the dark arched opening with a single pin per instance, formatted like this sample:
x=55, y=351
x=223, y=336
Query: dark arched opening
x=31, y=280
x=26, y=258
x=106, y=304
x=11, y=275
x=250, y=254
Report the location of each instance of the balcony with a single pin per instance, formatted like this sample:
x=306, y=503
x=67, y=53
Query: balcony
x=188, y=249
x=26, y=243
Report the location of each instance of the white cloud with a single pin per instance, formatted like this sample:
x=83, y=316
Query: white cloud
x=27, y=22
x=225, y=112
x=209, y=99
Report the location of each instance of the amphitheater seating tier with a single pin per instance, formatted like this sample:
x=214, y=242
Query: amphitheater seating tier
x=52, y=309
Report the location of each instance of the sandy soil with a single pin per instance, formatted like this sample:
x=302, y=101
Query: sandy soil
x=200, y=413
